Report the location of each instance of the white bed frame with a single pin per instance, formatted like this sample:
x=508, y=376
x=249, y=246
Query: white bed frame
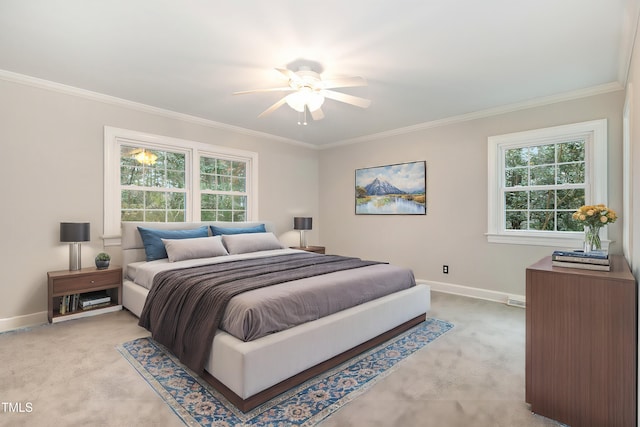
x=250, y=373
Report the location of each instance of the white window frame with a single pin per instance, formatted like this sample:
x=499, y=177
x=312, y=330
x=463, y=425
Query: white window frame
x=114, y=138
x=596, y=179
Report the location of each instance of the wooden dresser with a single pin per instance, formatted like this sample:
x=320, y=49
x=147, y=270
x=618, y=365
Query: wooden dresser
x=582, y=344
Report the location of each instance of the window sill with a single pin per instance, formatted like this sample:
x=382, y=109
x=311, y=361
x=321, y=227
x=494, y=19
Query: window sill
x=536, y=240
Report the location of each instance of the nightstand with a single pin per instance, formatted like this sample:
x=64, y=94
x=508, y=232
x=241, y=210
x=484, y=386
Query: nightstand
x=70, y=290
x=316, y=249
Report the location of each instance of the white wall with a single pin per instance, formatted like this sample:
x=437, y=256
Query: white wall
x=51, y=169
x=453, y=230
x=51, y=152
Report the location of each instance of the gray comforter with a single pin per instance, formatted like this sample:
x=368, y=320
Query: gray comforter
x=184, y=307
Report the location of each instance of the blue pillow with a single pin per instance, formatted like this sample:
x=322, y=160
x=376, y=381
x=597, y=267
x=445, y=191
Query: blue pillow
x=219, y=231
x=152, y=239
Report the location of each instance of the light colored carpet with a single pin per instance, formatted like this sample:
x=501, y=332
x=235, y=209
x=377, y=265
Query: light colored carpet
x=71, y=373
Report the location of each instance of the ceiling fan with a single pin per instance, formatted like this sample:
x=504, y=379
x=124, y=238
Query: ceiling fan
x=309, y=90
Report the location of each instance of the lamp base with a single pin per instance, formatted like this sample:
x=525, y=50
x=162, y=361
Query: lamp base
x=75, y=256
x=303, y=239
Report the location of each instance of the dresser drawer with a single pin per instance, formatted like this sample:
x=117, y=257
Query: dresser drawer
x=86, y=281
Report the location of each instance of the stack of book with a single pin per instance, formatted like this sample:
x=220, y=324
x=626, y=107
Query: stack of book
x=594, y=260
x=92, y=300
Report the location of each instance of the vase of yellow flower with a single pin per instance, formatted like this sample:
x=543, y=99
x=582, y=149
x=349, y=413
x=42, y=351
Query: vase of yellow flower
x=594, y=217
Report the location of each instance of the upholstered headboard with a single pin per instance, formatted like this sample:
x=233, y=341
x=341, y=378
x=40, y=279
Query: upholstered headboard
x=133, y=248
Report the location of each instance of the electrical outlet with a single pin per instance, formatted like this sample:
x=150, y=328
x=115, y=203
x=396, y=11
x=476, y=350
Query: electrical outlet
x=445, y=269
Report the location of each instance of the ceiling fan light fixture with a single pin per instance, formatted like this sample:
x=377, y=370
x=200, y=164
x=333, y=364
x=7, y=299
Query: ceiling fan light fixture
x=305, y=97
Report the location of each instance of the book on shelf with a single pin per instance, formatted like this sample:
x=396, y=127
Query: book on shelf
x=99, y=305
x=93, y=298
x=69, y=303
x=583, y=265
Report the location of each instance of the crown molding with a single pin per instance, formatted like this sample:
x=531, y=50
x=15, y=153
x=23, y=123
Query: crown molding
x=107, y=99
x=112, y=100
x=536, y=102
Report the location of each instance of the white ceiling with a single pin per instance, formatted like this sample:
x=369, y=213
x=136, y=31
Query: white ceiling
x=424, y=60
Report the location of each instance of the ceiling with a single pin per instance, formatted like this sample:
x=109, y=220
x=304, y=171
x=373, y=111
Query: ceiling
x=424, y=60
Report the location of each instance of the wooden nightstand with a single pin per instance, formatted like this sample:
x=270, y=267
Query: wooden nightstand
x=316, y=249
x=67, y=289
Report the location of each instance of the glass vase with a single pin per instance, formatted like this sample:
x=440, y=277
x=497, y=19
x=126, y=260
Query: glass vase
x=592, y=238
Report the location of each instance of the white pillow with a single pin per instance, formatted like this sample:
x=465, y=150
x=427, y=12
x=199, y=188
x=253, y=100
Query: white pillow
x=251, y=242
x=198, y=247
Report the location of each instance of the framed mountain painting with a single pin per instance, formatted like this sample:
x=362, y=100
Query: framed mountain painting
x=399, y=189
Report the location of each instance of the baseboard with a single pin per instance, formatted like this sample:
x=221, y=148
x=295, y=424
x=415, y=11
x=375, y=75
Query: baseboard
x=34, y=319
x=17, y=322
x=478, y=293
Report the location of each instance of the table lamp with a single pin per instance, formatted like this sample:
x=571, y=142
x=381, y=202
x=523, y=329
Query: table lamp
x=74, y=233
x=302, y=223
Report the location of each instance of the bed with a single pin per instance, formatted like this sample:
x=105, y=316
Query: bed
x=251, y=371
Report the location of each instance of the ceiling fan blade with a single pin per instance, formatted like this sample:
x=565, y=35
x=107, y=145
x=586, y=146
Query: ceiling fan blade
x=344, y=82
x=290, y=75
x=349, y=99
x=317, y=114
x=273, y=89
x=273, y=107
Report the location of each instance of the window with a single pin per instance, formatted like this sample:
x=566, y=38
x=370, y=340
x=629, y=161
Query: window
x=223, y=189
x=152, y=185
x=538, y=178
x=160, y=179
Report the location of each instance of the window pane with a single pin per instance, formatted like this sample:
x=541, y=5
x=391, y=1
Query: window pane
x=224, y=183
x=543, y=199
x=131, y=175
x=175, y=216
x=516, y=177
x=132, y=215
x=238, y=184
x=239, y=169
x=225, y=216
x=223, y=167
x=542, y=220
x=543, y=175
x=516, y=157
x=176, y=201
x=542, y=155
x=570, y=199
x=175, y=161
x=571, y=152
x=516, y=220
x=155, y=216
x=208, y=215
x=224, y=202
x=571, y=173
x=515, y=200
x=567, y=223
x=132, y=199
x=155, y=200
x=175, y=179
x=239, y=216
x=208, y=201
x=239, y=203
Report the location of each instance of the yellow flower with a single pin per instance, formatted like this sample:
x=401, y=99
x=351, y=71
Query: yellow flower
x=595, y=215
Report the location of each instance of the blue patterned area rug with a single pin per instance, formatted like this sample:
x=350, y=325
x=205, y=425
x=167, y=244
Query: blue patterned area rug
x=197, y=403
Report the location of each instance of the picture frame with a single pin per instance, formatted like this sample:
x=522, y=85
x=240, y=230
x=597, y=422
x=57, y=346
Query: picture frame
x=396, y=189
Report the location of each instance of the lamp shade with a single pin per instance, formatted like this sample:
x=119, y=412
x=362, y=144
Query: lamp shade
x=302, y=223
x=74, y=232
